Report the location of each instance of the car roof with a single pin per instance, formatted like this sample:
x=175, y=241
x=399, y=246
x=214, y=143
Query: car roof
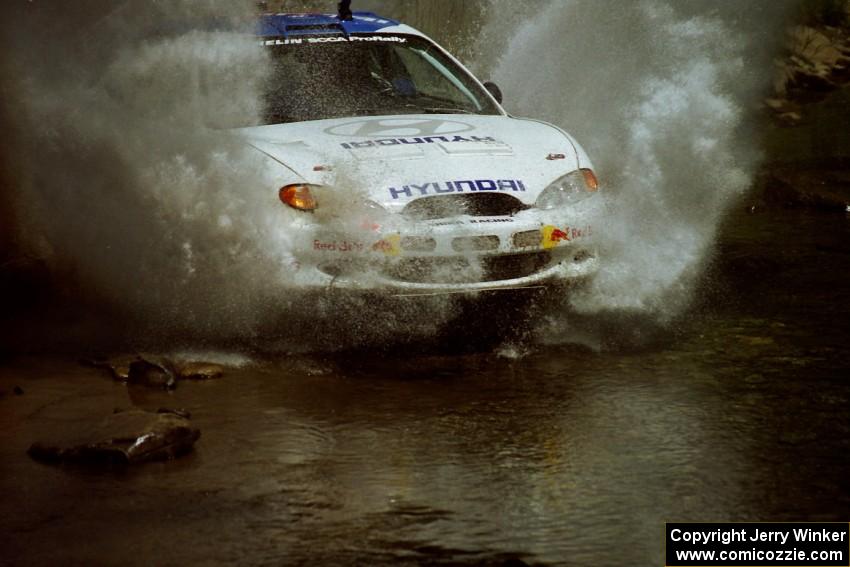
x=287, y=25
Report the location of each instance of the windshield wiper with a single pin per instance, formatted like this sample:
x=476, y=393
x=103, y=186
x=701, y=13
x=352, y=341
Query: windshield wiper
x=443, y=110
x=407, y=109
x=436, y=105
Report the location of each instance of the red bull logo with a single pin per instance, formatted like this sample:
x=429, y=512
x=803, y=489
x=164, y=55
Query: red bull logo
x=391, y=245
x=551, y=236
x=559, y=235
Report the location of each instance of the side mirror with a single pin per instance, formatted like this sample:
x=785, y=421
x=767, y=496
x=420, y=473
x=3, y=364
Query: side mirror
x=494, y=90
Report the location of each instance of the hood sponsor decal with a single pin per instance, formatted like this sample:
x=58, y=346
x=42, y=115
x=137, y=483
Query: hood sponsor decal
x=335, y=39
x=457, y=186
x=390, y=246
x=395, y=127
x=425, y=140
x=457, y=222
x=338, y=246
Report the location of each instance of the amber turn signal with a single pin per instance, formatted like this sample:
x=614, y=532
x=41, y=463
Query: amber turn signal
x=590, y=179
x=298, y=197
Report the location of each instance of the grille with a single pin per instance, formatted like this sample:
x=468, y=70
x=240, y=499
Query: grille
x=475, y=243
x=418, y=244
x=527, y=238
x=473, y=204
x=461, y=270
x=515, y=265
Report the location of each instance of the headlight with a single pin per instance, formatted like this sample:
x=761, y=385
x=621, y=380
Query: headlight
x=298, y=197
x=569, y=189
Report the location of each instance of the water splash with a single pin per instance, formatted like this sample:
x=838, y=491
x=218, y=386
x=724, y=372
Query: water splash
x=121, y=186
x=661, y=94
x=126, y=190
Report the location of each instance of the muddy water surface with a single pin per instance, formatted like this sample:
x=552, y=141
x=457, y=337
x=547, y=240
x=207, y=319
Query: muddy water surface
x=567, y=455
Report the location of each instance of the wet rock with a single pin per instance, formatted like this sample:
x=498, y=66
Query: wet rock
x=185, y=414
x=199, y=371
x=120, y=368
x=155, y=372
x=817, y=63
x=143, y=372
x=137, y=370
x=127, y=437
x=117, y=367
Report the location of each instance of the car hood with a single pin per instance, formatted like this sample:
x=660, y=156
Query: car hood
x=395, y=159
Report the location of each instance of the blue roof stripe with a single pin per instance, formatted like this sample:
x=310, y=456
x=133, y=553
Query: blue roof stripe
x=277, y=25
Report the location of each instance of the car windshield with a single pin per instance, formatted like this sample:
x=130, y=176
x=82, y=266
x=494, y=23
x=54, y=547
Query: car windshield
x=330, y=77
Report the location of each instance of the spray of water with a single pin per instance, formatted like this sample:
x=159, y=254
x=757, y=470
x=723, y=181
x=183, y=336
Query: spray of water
x=126, y=190
x=121, y=184
x=661, y=94
x=120, y=181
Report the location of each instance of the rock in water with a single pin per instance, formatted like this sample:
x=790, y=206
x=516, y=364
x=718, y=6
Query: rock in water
x=145, y=373
x=129, y=437
x=179, y=412
x=117, y=366
x=155, y=372
x=199, y=371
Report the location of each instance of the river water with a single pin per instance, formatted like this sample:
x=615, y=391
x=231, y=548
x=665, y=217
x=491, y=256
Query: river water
x=719, y=396
x=562, y=455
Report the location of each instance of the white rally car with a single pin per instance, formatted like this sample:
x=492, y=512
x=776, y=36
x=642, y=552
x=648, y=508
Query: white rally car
x=401, y=171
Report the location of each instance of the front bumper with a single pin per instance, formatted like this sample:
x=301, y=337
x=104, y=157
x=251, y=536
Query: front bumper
x=468, y=255
x=564, y=272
